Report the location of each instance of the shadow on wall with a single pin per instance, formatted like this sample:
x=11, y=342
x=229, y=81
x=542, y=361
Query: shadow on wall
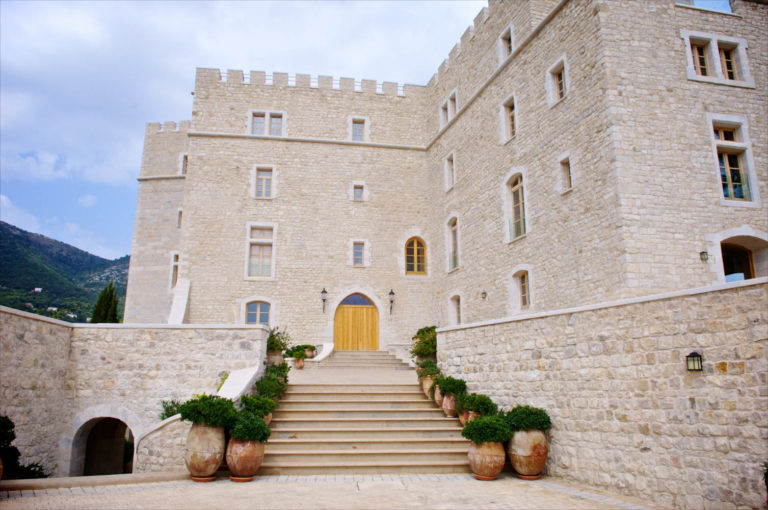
x=102, y=446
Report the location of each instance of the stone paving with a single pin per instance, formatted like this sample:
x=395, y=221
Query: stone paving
x=327, y=491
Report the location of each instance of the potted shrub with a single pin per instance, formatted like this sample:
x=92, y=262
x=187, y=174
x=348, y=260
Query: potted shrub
x=434, y=391
x=261, y=406
x=450, y=387
x=425, y=344
x=427, y=371
x=299, y=355
x=245, y=450
x=486, y=453
x=277, y=342
x=309, y=350
x=209, y=415
x=528, y=447
x=280, y=372
x=271, y=387
x=469, y=407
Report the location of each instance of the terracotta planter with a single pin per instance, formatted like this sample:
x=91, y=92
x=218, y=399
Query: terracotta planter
x=486, y=460
x=438, y=397
x=274, y=357
x=310, y=353
x=244, y=459
x=299, y=363
x=528, y=453
x=267, y=418
x=472, y=415
x=464, y=417
x=204, y=452
x=449, y=406
x=426, y=383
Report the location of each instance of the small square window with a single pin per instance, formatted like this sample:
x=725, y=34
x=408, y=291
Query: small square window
x=357, y=192
x=358, y=254
x=358, y=130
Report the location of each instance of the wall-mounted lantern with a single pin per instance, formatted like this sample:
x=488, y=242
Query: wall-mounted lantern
x=391, y=300
x=484, y=294
x=323, y=296
x=704, y=256
x=693, y=362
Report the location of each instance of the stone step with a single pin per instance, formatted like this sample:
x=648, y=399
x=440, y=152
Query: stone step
x=351, y=388
x=361, y=366
x=321, y=403
x=365, y=444
x=437, y=422
x=352, y=397
x=345, y=413
x=363, y=434
x=369, y=456
x=272, y=466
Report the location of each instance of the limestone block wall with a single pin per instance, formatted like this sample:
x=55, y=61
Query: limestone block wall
x=627, y=414
x=36, y=387
x=163, y=448
x=59, y=378
x=667, y=172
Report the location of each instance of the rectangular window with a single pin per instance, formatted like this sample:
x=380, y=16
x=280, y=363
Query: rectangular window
x=175, y=270
x=525, y=299
x=260, y=251
x=735, y=166
x=453, y=231
x=448, y=109
x=715, y=58
x=358, y=192
x=258, y=123
x=450, y=172
x=178, y=220
x=276, y=124
x=557, y=84
x=728, y=64
x=358, y=128
x=732, y=176
x=517, y=221
x=358, y=254
x=511, y=127
x=700, y=59
x=263, y=183
x=565, y=170
x=258, y=313
x=560, y=78
x=184, y=163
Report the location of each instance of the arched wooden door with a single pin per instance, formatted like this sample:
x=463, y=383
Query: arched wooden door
x=356, y=325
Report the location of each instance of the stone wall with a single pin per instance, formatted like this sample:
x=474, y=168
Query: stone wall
x=163, y=448
x=627, y=414
x=98, y=371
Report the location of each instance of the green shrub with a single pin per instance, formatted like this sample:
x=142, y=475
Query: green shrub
x=527, y=418
x=278, y=340
x=170, y=408
x=278, y=371
x=299, y=354
x=9, y=455
x=249, y=427
x=452, y=386
x=257, y=404
x=425, y=345
x=271, y=387
x=487, y=429
x=478, y=403
x=429, y=368
x=209, y=410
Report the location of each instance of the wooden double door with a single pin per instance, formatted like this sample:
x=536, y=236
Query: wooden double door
x=356, y=325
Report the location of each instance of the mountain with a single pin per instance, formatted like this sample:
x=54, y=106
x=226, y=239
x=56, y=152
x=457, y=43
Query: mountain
x=69, y=277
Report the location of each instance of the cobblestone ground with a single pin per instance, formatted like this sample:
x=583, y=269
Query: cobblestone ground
x=327, y=491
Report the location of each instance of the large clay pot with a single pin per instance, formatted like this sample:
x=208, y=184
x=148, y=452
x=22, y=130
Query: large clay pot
x=204, y=452
x=472, y=415
x=426, y=383
x=244, y=459
x=528, y=453
x=438, y=397
x=310, y=353
x=299, y=363
x=449, y=406
x=486, y=460
x=464, y=417
x=267, y=419
x=274, y=357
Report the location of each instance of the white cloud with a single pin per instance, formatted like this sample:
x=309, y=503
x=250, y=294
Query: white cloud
x=9, y=213
x=87, y=200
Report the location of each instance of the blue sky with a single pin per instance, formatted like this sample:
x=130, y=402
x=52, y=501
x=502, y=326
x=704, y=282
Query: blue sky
x=78, y=82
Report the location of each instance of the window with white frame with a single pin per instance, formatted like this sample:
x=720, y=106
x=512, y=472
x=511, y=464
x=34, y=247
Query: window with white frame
x=261, y=240
x=716, y=58
x=257, y=312
x=453, y=243
x=263, y=182
x=448, y=109
x=506, y=44
x=557, y=82
x=517, y=207
x=175, y=262
x=267, y=123
x=358, y=130
x=508, y=119
x=359, y=192
x=733, y=156
x=359, y=253
x=450, y=171
x=520, y=289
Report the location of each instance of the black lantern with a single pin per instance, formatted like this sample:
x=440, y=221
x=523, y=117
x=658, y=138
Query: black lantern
x=323, y=296
x=704, y=256
x=693, y=362
x=391, y=300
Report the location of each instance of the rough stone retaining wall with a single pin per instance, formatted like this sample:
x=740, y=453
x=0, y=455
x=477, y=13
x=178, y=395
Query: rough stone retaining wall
x=58, y=377
x=627, y=414
x=163, y=448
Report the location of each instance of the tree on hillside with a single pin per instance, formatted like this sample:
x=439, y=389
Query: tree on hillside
x=105, y=309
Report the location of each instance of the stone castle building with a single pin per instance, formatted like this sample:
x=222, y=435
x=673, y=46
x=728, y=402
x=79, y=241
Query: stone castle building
x=566, y=153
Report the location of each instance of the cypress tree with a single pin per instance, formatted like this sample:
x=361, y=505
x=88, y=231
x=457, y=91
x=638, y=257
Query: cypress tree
x=105, y=309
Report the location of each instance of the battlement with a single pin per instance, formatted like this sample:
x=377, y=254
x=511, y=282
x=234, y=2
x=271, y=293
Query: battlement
x=207, y=76
x=168, y=127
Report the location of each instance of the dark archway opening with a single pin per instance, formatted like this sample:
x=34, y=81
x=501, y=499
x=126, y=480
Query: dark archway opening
x=108, y=448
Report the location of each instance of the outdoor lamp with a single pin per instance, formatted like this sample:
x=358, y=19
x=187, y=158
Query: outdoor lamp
x=323, y=296
x=391, y=300
x=704, y=256
x=693, y=361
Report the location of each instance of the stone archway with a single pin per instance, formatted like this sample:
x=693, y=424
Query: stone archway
x=102, y=446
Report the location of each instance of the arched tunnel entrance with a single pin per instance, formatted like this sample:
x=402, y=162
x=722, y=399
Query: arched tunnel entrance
x=102, y=446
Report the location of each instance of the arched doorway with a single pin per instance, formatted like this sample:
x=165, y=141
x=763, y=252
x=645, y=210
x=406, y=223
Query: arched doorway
x=102, y=446
x=744, y=257
x=356, y=325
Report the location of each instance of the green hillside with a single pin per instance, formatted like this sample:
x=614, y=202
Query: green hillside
x=69, y=277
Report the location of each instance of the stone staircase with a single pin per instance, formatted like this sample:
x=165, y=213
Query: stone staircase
x=362, y=426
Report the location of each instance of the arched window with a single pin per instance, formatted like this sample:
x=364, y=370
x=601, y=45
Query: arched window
x=738, y=263
x=415, y=256
x=257, y=312
x=453, y=240
x=517, y=206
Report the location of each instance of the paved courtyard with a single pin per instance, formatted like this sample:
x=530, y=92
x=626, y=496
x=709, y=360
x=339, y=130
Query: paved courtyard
x=329, y=491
